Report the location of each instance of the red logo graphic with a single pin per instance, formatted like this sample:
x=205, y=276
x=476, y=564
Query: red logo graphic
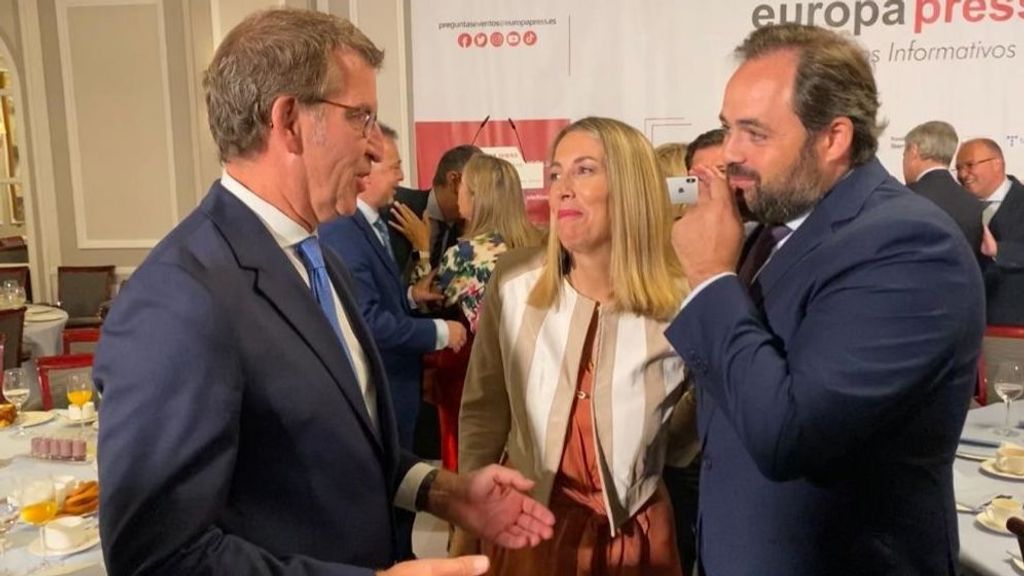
x=465, y=40
x=480, y=39
x=530, y=38
x=497, y=39
x=513, y=38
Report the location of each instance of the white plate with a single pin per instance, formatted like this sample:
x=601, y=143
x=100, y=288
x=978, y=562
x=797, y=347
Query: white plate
x=968, y=455
x=36, y=549
x=31, y=418
x=989, y=466
x=69, y=422
x=985, y=520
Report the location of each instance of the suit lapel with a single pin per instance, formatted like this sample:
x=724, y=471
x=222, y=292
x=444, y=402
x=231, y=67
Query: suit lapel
x=839, y=205
x=278, y=282
x=1009, y=211
x=386, y=260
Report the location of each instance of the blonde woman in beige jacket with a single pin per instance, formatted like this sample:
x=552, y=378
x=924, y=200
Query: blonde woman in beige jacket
x=571, y=380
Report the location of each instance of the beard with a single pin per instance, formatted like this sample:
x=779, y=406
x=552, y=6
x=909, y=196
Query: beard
x=782, y=199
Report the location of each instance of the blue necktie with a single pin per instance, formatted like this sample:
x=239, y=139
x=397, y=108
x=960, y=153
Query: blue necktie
x=320, y=284
x=382, y=233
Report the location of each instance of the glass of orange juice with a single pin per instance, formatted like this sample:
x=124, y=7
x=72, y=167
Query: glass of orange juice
x=38, y=502
x=80, y=392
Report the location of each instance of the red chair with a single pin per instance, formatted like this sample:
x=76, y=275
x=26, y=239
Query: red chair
x=1001, y=343
x=80, y=340
x=55, y=373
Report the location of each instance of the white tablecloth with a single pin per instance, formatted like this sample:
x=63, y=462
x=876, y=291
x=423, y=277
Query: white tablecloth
x=44, y=338
x=982, y=551
x=15, y=462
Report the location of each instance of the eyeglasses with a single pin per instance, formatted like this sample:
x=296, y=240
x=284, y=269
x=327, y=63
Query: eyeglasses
x=972, y=165
x=366, y=119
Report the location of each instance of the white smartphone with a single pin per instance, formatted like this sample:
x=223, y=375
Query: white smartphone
x=682, y=189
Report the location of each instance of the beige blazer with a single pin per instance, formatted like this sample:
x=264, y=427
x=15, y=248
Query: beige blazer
x=522, y=378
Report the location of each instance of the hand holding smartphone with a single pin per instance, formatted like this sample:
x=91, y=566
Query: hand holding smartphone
x=682, y=189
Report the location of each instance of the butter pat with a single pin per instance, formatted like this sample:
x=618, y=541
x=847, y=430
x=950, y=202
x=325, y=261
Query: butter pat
x=74, y=412
x=88, y=411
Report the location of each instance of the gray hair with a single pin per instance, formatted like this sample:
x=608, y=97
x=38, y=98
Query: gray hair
x=275, y=53
x=935, y=140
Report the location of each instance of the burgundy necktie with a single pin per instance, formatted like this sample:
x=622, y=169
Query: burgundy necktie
x=767, y=239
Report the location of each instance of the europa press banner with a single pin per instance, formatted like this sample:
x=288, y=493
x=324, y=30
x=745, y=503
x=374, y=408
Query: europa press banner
x=529, y=67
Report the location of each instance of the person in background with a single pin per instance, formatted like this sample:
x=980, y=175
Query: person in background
x=247, y=421
x=571, y=380
x=928, y=150
x=491, y=203
x=981, y=169
x=834, y=370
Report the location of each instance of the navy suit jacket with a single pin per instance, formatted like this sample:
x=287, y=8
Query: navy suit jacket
x=401, y=338
x=830, y=414
x=962, y=206
x=235, y=438
x=1004, y=276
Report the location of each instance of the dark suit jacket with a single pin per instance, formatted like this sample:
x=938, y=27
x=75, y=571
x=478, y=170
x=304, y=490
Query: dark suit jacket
x=401, y=338
x=417, y=201
x=235, y=438
x=830, y=415
x=1004, y=277
x=962, y=206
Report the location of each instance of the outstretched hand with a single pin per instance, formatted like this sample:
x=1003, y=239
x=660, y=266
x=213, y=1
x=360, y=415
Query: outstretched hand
x=493, y=504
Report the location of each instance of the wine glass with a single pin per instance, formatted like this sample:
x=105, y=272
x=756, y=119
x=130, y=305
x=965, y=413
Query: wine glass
x=8, y=517
x=80, y=392
x=16, y=391
x=38, y=501
x=1009, y=385
x=19, y=298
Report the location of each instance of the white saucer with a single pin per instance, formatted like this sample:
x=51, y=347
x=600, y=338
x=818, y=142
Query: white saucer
x=30, y=418
x=985, y=520
x=989, y=466
x=36, y=549
x=69, y=422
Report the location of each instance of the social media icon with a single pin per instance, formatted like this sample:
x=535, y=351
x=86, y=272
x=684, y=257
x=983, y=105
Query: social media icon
x=497, y=39
x=465, y=40
x=530, y=38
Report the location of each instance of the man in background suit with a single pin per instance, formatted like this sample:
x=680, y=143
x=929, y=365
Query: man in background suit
x=386, y=303
x=415, y=200
x=247, y=422
x=981, y=169
x=928, y=150
x=438, y=227
x=833, y=381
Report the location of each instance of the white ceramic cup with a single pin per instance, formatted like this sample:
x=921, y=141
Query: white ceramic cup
x=1010, y=458
x=1002, y=509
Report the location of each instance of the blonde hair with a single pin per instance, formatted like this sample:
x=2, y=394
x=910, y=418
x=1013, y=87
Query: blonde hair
x=498, y=203
x=672, y=159
x=646, y=277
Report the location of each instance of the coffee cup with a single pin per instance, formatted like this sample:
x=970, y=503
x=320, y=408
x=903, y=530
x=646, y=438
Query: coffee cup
x=1010, y=458
x=1000, y=510
x=65, y=532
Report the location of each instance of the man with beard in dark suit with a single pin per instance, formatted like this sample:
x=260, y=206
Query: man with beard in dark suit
x=981, y=169
x=928, y=150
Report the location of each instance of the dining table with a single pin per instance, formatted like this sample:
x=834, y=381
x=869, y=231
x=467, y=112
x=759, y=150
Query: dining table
x=985, y=550
x=44, y=327
x=17, y=463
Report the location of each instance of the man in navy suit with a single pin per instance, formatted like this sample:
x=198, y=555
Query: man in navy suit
x=928, y=151
x=247, y=421
x=363, y=242
x=981, y=169
x=833, y=381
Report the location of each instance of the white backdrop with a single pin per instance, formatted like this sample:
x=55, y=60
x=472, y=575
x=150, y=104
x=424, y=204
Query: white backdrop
x=661, y=65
